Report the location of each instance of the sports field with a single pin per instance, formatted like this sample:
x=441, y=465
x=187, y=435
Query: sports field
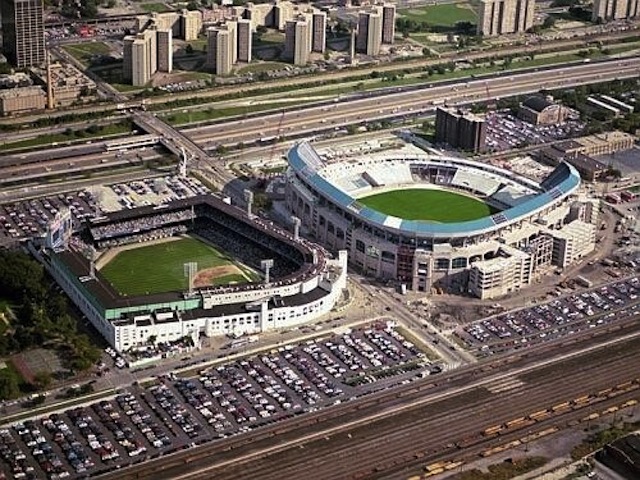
x=430, y=205
x=160, y=267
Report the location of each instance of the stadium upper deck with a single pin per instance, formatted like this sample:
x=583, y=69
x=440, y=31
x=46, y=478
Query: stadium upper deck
x=309, y=167
x=305, y=282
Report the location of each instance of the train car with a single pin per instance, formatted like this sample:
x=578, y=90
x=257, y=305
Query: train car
x=492, y=431
x=431, y=473
x=539, y=415
x=453, y=465
x=629, y=403
x=434, y=466
x=581, y=401
x=520, y=423
x=611, y=410
x=536, y=435
x=590, y=417
x=561, y=407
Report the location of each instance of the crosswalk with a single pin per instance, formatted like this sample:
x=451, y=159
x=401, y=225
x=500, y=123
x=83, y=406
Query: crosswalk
x=504, y=385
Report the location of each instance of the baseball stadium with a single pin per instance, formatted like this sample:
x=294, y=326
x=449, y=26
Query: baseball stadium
x=191, y=267
x=423, y=220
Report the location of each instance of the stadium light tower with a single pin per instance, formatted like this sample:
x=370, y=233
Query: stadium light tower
x=248, y=197
x=266, y=265
x=190, y=270
x=296, y=227
x=182, y=166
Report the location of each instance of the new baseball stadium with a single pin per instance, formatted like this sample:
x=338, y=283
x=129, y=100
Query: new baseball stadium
x=191, y=267
x=431, y=222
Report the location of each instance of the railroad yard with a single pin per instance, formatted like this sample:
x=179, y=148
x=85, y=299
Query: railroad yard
x=397, y=433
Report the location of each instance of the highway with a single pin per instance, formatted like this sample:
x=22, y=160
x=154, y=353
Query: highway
x=334, y=116
x=393, y=433
x=347, y=112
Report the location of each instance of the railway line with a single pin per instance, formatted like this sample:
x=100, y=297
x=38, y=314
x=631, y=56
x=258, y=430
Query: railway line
x=431, y=431
x=407, y=418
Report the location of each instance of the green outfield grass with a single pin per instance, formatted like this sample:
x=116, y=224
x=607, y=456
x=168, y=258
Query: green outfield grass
x=160, y=268
x=429, y=205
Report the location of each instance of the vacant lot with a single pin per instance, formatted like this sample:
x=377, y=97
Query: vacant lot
x=445, y=15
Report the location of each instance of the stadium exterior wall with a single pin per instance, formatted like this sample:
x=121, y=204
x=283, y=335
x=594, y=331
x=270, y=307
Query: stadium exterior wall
x=419, y=257
x=192, y=317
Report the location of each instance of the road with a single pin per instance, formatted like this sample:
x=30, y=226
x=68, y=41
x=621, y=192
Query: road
x=353, y=111
x=347, y=112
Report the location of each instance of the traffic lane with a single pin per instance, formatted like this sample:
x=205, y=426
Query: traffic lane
x=350, y=112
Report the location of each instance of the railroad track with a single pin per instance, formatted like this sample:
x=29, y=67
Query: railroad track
x=436, y=430
x=282, y=441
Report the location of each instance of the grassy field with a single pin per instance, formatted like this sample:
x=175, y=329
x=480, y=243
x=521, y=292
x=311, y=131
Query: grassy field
x=154, y=7
x=445, y=15
x=138, y=271
x=262, y=67
x=83, y=52
x=427, y=204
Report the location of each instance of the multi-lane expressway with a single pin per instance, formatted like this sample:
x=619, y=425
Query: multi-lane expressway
x=336, y=115
x=391, y=105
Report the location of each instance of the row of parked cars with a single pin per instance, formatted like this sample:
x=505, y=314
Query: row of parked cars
x=176, y=412
x=556, y=318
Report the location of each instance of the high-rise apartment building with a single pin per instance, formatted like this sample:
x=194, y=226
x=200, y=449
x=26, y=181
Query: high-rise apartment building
x=23, y=32
x=147, y=52
x=190, y=24
x=232, y=26
x=461, y=129
x=388, y=22
x=244, y=41
x=499, y=17
x=297, y=40
x=140, y=57
x=615, y=9
x=369, y=36
x=165, y=50
x=220, y=50
x=319, y=33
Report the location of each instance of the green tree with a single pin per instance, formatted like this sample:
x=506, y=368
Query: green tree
x=42, y=380
x=9, y=387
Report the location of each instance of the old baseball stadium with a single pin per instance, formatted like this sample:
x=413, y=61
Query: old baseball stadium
x=437, y=223
x=191, y=267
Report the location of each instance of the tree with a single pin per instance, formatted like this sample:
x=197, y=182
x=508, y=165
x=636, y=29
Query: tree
x=42, y=380
x=9, y=387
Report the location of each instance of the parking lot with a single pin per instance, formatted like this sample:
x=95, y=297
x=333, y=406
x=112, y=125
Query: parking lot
x=145, y=422
x=505, y=132
x=30, y=218
x=560, y=317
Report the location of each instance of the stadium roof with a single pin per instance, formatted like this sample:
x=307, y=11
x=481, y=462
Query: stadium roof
x=306, y=162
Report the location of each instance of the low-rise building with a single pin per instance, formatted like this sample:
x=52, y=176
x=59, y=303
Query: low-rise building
x=579, y=152
x=22, y=99
x=509, y=271
x=572, y=242
x=68, y=84
x=539, y=110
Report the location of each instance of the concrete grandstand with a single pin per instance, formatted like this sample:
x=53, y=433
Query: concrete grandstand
x=426, y=254
x=305, y=280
